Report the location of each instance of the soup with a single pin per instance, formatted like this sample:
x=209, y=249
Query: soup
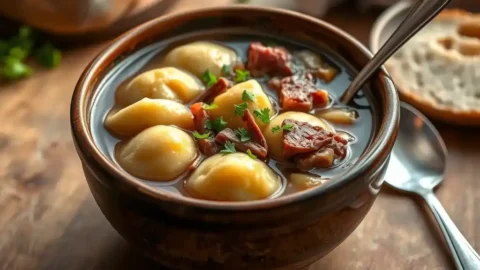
x=231, y=119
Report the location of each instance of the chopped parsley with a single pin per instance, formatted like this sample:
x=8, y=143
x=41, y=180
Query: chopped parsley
x=201, y=136
x=263, y=115
x=240, y=109
x=246, y=96
x=241, y=75
x=243, y=135
x=217, y=125
x=226, y=69
x=251, y=155
x=228, y=148
x=209, y=107
x=271, y=44
x=209, y=78
x=287, y=127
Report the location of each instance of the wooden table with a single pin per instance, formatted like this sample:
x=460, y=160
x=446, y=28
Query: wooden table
x=49, y=220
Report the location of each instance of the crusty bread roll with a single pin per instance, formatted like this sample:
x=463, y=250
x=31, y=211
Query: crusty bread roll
x=438, y=70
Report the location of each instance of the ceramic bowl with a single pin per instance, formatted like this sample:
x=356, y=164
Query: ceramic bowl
x=288, y=232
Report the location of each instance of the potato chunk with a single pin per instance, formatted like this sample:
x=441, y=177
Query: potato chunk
x=147, y=113
x=233, y=177
x=159, y=153
x=226, y=103
x=162, y=83
x=197, y=57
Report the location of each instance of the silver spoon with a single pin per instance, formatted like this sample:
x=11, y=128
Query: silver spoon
x=422, y=12
x=417, y=165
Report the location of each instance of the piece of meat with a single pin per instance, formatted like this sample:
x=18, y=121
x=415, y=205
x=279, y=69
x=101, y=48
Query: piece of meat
x=299, y=93
x=207, y=146
x=221, y=86
x=228, y=135
x=273, y=61
x=320, y=159
x=303, y=138
x=339, y=146
x=254, y=130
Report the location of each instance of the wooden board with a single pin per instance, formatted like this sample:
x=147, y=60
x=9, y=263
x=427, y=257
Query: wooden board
x=49, y=220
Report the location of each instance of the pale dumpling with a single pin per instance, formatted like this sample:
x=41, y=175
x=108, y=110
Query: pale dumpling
x=162, y=83
x=159, y=153
x=233, y=177
x=147, y=113
x=275, y=140
x=197, y=57
x=226, y=103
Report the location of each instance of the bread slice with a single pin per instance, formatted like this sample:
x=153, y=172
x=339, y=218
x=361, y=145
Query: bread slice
x=438, y=70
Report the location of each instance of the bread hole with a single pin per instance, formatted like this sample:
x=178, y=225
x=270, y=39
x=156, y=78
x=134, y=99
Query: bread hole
x=417, y=58
x=446, y=42
x=469, y=49
x=429, y=56
x=419, y=78
x=476, y=95
x=470, y=29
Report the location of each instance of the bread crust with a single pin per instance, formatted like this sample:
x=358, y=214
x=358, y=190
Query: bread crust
x=431, y=109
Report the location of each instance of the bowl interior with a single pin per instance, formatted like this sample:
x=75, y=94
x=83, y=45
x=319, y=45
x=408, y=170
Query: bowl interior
x=240, y=20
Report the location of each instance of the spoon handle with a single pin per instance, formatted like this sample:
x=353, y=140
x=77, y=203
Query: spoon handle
x=422, y=12
x=463, y=253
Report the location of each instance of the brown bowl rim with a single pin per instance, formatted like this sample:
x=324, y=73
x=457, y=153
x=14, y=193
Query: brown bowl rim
x=86, y=147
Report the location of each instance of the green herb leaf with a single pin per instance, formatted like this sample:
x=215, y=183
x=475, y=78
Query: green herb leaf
x=217, y=125
x=25, y=32
x=229, y=148
x=201, y=136
x=210, y=107
x=240, y=109
x=263, y=115
x=241, y=75
x=15, y=69
x=287, y=127
x=246, y=96
x=209, y=78
x=250, y=154
x=18, y=53
x=243, y=135
x=226, y=69
x=48, y=55
x=271, y=44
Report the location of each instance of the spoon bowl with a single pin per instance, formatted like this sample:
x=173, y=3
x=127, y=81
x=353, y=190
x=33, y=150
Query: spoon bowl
x=417, y=165
x=418, y=159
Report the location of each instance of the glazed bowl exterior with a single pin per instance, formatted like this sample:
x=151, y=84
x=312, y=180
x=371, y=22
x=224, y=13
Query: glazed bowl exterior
x=289, y=232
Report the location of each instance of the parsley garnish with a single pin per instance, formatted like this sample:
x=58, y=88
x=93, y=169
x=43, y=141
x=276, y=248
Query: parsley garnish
x=201, y=136
x=209, y=78
x=263, y=115
x=243, y=135
x=209, y=107
x=241, y=75
x=229, y=148
x=216, y=125
x=250, y=154
x=246, y=96
x=226, y=69
x=271, y=44
x=240, y=109
x=287, y=127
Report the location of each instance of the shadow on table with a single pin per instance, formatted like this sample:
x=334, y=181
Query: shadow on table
x=427, y=215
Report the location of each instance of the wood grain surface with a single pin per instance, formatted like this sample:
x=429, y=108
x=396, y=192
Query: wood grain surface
x=49, y=220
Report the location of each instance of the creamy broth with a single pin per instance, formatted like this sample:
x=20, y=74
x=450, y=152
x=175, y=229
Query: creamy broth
x=358, y=133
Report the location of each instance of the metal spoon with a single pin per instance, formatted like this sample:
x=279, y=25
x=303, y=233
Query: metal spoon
x=417, y=165
x=422, y=12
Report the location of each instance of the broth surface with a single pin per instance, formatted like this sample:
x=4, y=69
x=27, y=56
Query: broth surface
x=150, y=57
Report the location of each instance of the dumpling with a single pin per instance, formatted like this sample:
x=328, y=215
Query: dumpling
x=199, y=56
x=275, y=140
x=165, y=83
x=159, y=153
x=147, y=113
x=233, y=177
x=226, y=103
